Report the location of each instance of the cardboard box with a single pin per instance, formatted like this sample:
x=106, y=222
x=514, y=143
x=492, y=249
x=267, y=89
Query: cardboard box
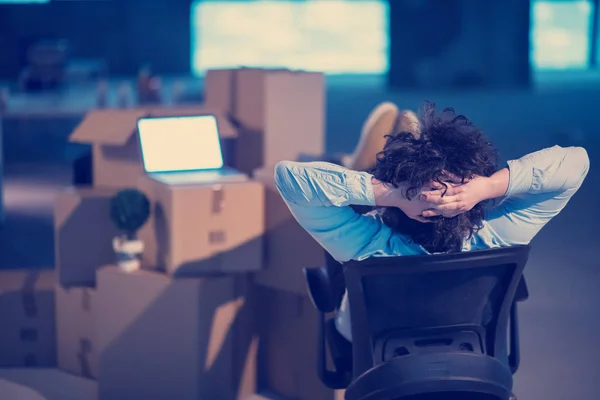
x=219, y=89
x=279, y=113
x=27, y=328
x=116, y=159
x=196, y=230
x=288, y=247
x=83, y=234
x=163, y=338
x=288, y=347
x=76, y=330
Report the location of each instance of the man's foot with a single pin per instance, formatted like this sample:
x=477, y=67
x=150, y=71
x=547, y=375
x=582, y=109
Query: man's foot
x=408, y=122
x=379, y=123
x=385, y=119
x=513, y=397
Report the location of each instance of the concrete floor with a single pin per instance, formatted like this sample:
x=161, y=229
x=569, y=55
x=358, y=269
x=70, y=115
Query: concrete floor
x=44, y=384
x=560, y=324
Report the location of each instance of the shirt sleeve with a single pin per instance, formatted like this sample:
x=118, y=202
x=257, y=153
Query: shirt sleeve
x=319, y=196
x=540, y=186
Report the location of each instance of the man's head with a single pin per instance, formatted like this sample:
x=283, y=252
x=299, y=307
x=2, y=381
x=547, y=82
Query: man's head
x=447, y=143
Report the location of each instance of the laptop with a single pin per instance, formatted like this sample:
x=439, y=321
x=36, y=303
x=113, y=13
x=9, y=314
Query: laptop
x=184, y=150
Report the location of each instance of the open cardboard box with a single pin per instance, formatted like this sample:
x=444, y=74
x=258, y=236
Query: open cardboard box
x=279, y=113
x=116, y=158
x=195, y=230
x=27, y=319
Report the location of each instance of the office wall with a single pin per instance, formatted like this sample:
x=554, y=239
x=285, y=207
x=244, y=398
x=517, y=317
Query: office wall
x=459, y=44
x=125, y=33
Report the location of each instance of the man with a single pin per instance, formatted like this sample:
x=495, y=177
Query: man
x=432, y=191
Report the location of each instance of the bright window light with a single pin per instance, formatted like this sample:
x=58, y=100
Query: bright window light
x=333, y=36
x=561, y=34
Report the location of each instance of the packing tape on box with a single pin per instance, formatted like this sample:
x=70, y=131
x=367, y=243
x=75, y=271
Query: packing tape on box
x=85, y=344
x=28, y=295
x=86, y=301
x=30, y=308
x=218, y=236
x=217, y=199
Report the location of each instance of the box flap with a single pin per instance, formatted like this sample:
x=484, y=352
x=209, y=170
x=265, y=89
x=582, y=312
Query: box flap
x=226, y=128
x=112, y=126
x=69, y=199
x=115, y=126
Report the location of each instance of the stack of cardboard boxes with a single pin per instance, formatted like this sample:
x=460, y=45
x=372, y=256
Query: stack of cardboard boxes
x=27, y=330
x=188, y=324
x=83, y=234
x=279, y=114
x=172, y=329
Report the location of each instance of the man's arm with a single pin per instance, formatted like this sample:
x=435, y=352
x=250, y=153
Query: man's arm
x=319, y=195
x=536, y=188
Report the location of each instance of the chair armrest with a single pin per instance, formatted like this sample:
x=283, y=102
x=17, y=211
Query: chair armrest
x=514, y=357
x=341, y=376
x=319, y=289
x=322, y=295
x=522, y=292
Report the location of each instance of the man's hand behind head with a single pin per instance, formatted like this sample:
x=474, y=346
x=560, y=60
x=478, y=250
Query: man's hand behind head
x=457, y=198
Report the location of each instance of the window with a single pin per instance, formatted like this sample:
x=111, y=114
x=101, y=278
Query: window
x=333, y=36
x=561, y=34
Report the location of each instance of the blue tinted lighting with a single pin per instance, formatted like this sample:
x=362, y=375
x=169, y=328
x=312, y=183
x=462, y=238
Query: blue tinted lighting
x=560, y=34
x=333, y=36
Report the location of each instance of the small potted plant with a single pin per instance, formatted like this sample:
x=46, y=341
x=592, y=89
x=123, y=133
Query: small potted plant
x=129, y=211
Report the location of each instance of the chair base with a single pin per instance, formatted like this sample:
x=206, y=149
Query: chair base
x=433, y=373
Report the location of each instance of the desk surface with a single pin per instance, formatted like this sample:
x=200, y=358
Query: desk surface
x=74, y=100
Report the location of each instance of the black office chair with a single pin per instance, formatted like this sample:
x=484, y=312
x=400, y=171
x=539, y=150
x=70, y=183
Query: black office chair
x=423, y=326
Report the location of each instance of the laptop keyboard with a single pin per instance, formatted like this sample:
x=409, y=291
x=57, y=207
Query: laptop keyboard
x=183, y=177
x=196, y=177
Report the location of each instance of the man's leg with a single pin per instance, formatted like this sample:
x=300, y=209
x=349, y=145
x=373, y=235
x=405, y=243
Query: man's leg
x=384, y=120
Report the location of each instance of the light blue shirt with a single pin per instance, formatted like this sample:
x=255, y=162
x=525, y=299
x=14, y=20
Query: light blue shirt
x=319, y=194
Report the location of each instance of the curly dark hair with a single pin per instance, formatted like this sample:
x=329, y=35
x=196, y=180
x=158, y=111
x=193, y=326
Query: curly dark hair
x=447, y=142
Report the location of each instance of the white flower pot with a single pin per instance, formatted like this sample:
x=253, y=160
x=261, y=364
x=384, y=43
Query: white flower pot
x=128, y=253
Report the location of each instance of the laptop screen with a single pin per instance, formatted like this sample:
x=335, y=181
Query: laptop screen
x=180, y=143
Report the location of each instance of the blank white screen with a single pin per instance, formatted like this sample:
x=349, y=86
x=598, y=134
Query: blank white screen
x=180, y=143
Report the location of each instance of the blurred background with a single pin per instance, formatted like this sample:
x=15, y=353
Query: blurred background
x=526, y=71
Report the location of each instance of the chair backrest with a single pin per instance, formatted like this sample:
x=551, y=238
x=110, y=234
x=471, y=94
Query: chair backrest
x=435, y=303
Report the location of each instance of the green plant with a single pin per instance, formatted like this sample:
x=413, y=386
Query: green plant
x=129, y=211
